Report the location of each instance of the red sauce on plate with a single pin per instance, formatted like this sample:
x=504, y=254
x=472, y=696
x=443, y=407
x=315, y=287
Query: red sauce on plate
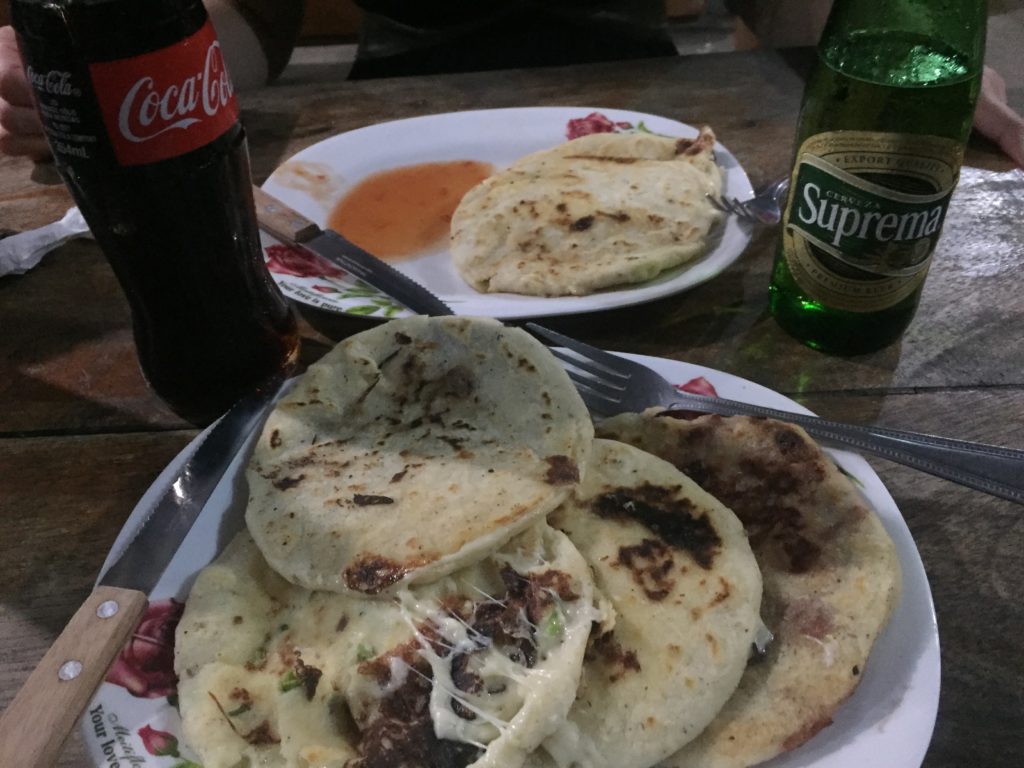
x=402, y=211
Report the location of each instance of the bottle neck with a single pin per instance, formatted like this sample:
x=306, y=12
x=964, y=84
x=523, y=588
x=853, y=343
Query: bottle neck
x=106, y=30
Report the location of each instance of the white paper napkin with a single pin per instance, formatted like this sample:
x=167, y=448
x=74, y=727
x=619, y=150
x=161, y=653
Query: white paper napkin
x=20, y=252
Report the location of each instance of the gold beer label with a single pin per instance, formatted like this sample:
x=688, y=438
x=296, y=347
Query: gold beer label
x=864, y=215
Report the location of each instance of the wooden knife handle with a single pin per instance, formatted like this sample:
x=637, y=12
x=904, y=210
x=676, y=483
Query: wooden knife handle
x=35, y=725
x=282, y=222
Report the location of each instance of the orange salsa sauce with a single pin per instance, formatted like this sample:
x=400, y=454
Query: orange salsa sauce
x=403, y=211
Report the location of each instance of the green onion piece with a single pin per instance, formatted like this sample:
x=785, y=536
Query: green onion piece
x=554, y=624
x=365, y=652
x=288, y=681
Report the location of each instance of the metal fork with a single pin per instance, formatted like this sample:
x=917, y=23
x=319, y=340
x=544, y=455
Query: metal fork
x=764, y=207
x=610, y=384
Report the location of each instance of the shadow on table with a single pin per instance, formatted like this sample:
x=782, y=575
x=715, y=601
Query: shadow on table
x=71, y=365
x=269, y=133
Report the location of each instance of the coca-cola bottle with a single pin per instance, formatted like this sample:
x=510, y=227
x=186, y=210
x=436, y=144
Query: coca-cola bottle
x=143, y=125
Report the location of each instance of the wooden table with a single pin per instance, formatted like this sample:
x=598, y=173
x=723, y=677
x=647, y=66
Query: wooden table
x=81, y=438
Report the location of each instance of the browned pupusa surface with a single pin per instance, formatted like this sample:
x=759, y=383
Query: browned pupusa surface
x=602, y=210
x=684, y=589
x=831, y=575
x=411, y=450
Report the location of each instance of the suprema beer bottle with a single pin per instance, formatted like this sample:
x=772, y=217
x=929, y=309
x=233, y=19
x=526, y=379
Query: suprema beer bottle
x=885, y=118
x=143, y=125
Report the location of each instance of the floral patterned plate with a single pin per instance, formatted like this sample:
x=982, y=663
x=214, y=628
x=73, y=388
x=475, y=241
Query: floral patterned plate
x=133, y=719
x=313, y=180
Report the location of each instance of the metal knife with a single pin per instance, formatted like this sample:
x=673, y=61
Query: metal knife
x=290, y=226
x=42, y=714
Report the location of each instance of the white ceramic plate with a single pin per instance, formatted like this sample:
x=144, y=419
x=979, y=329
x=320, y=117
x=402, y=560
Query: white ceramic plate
x=887, y=722
x=313, y=180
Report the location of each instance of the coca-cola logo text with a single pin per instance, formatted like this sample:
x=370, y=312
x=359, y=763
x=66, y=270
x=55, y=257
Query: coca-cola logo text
x=147, y=112
x=54, y=82
x=166, y=102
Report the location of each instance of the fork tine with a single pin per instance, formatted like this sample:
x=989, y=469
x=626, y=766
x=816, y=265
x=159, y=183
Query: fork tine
x=730, y=205
x=596, y=385
x=596, y=402
x=739, y=207
x=733, y=206
x=610, y=361
x=716, y=203
x=744, y=211
x=598, y=405
x=596, y=370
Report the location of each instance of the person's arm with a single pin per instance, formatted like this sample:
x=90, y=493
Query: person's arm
x=257, y=36
x=995, y=120
x=782, y=23
x=21, y=133
x=243, y=53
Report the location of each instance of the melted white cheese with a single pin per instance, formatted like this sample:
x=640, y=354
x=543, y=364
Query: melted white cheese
x=398, y=671
x=569, y=747
x=519, y=706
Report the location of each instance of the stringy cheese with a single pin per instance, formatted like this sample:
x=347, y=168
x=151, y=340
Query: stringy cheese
x=533, y=703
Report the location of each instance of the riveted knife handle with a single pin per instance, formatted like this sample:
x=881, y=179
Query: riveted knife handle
x=37, y=722
x=282, y=222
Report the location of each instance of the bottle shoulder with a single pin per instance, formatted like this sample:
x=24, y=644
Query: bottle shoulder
x=227, y=147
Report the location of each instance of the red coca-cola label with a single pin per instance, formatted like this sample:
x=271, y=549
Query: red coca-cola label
x=167, y=102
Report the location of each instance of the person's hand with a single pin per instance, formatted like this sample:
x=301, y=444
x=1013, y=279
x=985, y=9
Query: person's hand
x=995, y=120
x=21, y=133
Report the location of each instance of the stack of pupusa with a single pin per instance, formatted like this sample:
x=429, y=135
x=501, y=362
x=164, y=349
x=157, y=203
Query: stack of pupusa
x=444, y=568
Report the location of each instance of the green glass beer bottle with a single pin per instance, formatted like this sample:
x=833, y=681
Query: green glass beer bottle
x=885, y=117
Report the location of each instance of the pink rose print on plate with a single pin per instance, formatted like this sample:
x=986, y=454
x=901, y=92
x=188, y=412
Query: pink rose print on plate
x=145, y=667
x=298, y=262
x=595, y=122
x=697, y=386
x=159, y=743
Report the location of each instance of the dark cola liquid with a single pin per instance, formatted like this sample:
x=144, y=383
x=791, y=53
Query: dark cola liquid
x=179, y=230
x=209, y=321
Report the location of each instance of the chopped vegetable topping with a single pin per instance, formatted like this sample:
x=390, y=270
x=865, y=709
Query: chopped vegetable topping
x=365, y=652
x=554, y=623
x=289, y=680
